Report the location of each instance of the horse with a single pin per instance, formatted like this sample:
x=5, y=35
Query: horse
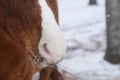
x=30, y=38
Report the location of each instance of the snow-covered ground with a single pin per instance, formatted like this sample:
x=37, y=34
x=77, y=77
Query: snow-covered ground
x=85, y=32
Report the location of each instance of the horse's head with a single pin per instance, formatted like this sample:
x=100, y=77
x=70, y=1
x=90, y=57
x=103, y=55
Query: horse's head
x=51, y=45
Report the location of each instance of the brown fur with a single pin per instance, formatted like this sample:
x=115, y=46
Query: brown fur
x=49, y=73
x=22, y=24
x=19, y=28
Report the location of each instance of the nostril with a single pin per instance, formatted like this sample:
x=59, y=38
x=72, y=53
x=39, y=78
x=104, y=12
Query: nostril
x=45, y=48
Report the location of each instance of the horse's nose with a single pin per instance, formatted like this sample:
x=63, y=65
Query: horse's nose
x=52, y=45
x=53, y=51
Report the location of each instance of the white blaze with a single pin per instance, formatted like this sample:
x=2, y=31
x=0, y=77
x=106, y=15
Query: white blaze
x=51, y=36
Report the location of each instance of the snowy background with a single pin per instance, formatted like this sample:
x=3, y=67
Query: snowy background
x=85, y=31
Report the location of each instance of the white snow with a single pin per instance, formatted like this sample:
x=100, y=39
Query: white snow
x=85, y=32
